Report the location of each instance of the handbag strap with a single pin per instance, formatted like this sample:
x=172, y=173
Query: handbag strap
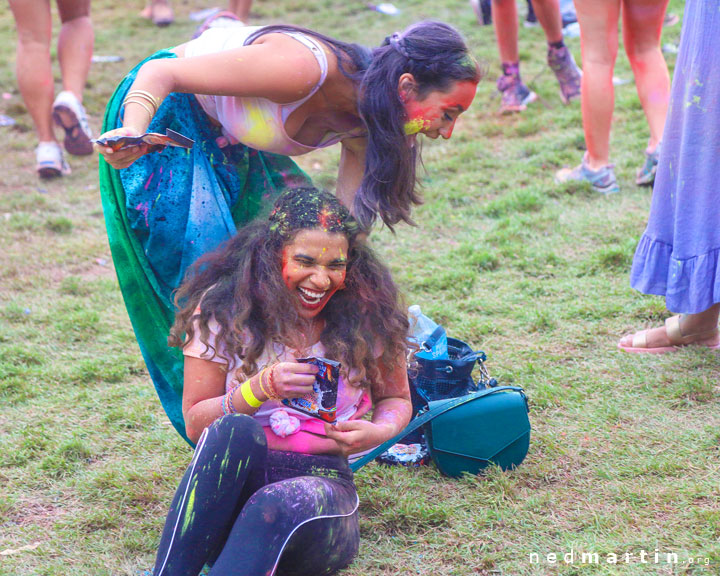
x=425, y=416
x=476, y=354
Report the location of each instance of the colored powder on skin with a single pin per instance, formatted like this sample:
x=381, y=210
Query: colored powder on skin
x=415, y=125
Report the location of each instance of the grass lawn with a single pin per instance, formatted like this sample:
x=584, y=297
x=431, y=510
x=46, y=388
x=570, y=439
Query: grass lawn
x=624, y=453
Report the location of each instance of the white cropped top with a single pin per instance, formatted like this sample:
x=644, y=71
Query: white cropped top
x=257, y=122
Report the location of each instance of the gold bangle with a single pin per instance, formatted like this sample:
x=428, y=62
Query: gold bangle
x=138, y=102
x=249, y=396
x=146, y=96
x=271, y=382
x=138, y=98
x=262, y=384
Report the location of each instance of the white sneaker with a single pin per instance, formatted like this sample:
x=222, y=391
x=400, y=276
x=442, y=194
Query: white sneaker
x=70, y=115
x=50, y=160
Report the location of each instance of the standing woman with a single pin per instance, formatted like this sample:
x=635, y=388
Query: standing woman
x=678, y=256
x=251, y=97
x=642, y=26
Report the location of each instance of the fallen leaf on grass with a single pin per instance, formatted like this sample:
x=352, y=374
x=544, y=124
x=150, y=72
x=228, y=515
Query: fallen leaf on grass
x=21, y=549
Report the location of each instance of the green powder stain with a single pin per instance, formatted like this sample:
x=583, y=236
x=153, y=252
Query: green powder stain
x=242, y=465
x=226, y=458
x=189, y=510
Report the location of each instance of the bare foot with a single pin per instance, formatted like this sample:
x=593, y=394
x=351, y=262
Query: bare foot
x=146, y=12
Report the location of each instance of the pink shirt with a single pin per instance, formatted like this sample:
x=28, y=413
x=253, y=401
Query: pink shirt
x=352, y=401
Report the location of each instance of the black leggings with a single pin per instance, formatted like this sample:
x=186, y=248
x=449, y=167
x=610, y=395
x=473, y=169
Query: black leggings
x=254, y=512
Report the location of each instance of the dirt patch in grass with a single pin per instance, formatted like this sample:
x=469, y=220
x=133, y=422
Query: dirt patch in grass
x=35, y=512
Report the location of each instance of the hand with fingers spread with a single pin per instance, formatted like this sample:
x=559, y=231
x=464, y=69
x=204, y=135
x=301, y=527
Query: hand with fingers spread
x=125, y=156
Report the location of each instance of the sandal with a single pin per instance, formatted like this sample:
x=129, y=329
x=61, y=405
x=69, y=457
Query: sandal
x=677, y=340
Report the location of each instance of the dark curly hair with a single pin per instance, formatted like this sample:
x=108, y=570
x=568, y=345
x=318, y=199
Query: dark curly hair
x=240, y=286
x=437, y=56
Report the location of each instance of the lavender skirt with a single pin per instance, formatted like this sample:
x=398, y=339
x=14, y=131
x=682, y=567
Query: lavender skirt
x=678, y=254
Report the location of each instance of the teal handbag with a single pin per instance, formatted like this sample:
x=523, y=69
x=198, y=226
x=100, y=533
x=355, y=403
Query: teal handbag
x=468, y=433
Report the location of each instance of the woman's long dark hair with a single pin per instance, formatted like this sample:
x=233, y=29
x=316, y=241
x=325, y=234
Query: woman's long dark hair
x=437, y=56
x=240, y=286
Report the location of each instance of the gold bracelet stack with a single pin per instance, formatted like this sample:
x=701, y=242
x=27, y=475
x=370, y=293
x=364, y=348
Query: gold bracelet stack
x=143, y=98
x=270, y=390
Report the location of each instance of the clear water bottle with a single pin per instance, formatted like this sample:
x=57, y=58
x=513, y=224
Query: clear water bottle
x=421, y=328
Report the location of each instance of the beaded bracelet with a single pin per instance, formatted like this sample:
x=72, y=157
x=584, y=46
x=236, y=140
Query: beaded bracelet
x=222, y=405
x=229, y=401
x=249, y=396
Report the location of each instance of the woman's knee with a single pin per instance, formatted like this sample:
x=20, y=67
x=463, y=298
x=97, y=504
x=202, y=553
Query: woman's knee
x=600, y=49
x=293, y=500
x=318, y=519
x=642, y=51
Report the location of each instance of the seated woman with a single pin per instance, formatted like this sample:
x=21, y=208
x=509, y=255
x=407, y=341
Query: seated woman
x=251, y=97
x=269, y=487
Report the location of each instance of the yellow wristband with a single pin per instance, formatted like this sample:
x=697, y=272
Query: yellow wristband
x=247, y=394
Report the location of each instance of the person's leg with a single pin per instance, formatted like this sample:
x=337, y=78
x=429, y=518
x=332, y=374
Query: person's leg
x=599, y=41
x=241, y=9
x=505, y=24
x=694, y=329
x=75, y=44
x=228, y=466
x=75, y=47
x=33, y=67
x=515, y=95
x=559, y=57
x=548, y=14
x=483, y=11
x=306, y=525
x=642, y=27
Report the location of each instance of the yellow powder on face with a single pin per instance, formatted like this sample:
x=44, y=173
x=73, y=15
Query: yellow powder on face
x=415, y=125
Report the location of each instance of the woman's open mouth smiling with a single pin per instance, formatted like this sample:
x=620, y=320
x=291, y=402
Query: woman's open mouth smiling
x=311, y=298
